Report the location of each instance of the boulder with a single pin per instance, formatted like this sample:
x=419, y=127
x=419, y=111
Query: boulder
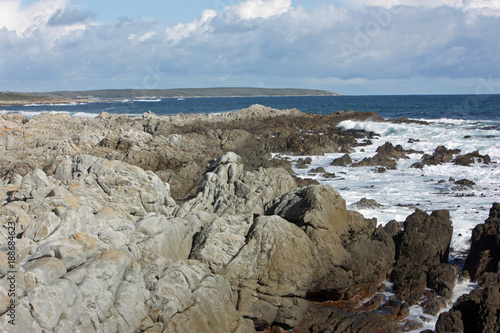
x=484, y=255
x=228, y=189
x=365, y=203
x=440, y=155
x=345, y=160
x=423, y=244
x=470, y=158
x=341, y=237
x=477, y=311
x=187, y=297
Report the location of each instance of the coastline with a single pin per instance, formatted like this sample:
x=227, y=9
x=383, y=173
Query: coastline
x=113, y=95
x=114, y=188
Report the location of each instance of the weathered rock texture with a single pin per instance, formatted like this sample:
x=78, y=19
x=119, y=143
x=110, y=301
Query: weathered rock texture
x=479, y=311
x=102, y=244
x=176, y=148
x=421, y=259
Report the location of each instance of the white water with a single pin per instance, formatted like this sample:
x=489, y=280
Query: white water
x=400, y=191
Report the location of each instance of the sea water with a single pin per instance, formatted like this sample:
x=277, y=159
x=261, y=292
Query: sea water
x=465, y=122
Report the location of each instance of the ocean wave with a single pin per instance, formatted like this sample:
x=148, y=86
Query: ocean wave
x=148, y=100
x=382, y=128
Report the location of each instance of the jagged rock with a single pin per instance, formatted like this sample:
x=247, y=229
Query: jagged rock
x=484, y=255
x=387, y=156
x=440, y=155
x=256, y=254
x=318, y=170
x=228, y=189
x=424, y=244
x=464, y=184
x=321, y=213
x=186, y=297
x=342, y=161
x=387, y=149
x=470, y=158
x=143, y=191
x=477, y=311
x=365, y=203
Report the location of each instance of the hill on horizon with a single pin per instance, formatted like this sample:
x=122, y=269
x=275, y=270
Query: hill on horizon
x=187, y=92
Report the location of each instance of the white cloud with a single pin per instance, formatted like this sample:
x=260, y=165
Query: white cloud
x=181, y=30
x=254, y=42
x=25, y=20
x=252, y=9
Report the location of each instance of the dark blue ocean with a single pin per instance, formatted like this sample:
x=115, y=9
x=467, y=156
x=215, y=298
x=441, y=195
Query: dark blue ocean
x=473, y=107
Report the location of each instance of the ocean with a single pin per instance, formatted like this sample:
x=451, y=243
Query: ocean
x=472, y=107
x=464, y=122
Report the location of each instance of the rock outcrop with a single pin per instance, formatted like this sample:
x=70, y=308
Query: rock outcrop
x=484, y=255
x=422, y=256
x=479, y=311
x=176, y=148
x=386, y=156
x=440, y=155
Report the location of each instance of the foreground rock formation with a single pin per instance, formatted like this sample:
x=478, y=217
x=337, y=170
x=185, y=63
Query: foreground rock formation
x=184, y=224
x=479, y=311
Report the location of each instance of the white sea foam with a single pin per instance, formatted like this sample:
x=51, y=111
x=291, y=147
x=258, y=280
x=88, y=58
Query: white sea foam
x=401, y=191
x=31, y=114
x=148, y=100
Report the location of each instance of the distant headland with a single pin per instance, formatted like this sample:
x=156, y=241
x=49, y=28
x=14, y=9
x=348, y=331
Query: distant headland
x=13, y=98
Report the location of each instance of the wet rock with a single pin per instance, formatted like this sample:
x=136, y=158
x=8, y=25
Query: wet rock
x=387, y=149
x=440, y=155
x=477, y=311
x=345, y=160
x=464, y=184
x=484, y=254
x=424, y=244
x=318, y=170
x=470, y=158
x=365, y=203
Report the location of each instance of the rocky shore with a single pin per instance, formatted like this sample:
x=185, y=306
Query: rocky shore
x=187, y=224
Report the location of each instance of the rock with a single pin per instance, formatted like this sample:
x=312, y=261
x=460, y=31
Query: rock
x=321, y=213
x=387, y=156
x=484, y=254
x=470, y=158
x=440, y=155
x=477, y=311
x=318, y=170
x=44, y=270
x=424, y=243
x=228, y=189
x=342, y=161
x=365, y=203
x=464, y=184
x=142, y=191
x=186, y=297
x=387, y=149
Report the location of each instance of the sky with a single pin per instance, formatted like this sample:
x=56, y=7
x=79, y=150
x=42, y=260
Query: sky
x=360, y=47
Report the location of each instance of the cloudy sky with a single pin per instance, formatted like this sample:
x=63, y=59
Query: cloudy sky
x=350, y=47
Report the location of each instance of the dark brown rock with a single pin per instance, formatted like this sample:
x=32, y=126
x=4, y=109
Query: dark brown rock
x=477, y=311
x=484, y=255
x=342, y=161
x=424, y=243
x=440, y=155
x=386, y=157
x=470, y=158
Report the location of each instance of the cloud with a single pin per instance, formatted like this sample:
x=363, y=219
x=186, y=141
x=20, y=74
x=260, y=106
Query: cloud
x=252, y=9
x=70, y=16
x=182, y=31
x=253, y=43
